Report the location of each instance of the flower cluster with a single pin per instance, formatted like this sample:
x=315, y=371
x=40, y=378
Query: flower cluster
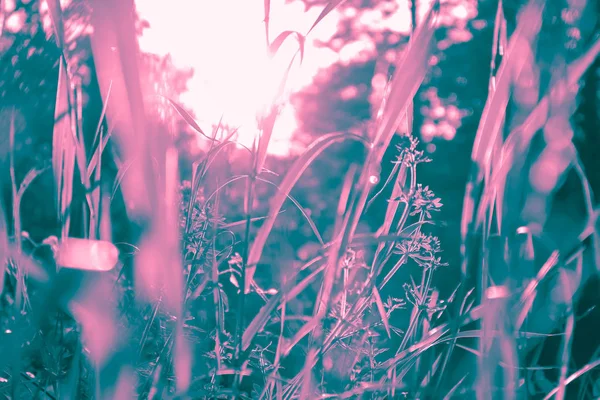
x=424, y=201
x=409, y=155
x=422, y=248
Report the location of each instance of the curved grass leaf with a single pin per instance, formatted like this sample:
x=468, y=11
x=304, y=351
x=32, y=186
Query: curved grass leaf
x=382, y=312
x=521, y=136
x=56, y=17
x=63, y=150
x=294, y=173
x=410, y=71
x=189, y=119
x=274, y=47
x=408, y=76
x=328, y=8
x=575, y=375
x=267, y=5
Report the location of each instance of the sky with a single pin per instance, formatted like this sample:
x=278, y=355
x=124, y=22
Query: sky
x=224, y=43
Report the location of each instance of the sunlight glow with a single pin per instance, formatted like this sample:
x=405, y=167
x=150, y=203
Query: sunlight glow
x=224, y=43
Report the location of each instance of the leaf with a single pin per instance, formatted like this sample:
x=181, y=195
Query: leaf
x=267, y=4
x=103, y=141
x=575, y=375
x=495, y=109
x=63, y=150
x=521, y=136
x=3, y=246
x=382, y=312
x=86, y=254
x=450, y=393
x=182, y=360
x=267, y=122
x=408, y=76
x=328, y=8
x=30, y=177
x=95, y=161
x=274, y=47
x=410, y=71
x=294, y=173
x=56, y=17
x=189, y=119
x=260, y=320
x=119, y=178
x=307, y=217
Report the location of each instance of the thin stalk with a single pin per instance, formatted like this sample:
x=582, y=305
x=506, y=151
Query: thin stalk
x=248, y=201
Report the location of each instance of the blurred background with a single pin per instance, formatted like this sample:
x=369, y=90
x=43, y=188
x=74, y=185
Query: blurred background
x=211, y=57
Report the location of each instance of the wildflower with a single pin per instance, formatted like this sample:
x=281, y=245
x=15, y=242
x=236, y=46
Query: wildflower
x=424, y=201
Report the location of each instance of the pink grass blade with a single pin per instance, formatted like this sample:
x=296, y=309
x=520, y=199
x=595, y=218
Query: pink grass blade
x=454, y=388
x=96, y=158
x=3, y=246
x=574, y=376
x=494, y=111
x=410, y=71
x=382, y=312
x=189, y=119
x=296, y=203
x=102, y=142
x=116, y=57
x=274, y=47
x=268, y=119
x=56, y=16
x=492, y=119
x=265, y=313
x=329, y=7
x=411, y=68
x=520, y=137
x=286, y=186
x=267, y=9
x=63, y=150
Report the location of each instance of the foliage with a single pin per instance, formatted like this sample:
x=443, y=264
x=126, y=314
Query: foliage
x=202, y=303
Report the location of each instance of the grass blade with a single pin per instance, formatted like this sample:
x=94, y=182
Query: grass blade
x=410, y=71
x=267, y=4
x=328, y=8
x=382, y=312
x=575, y=375
x=189, y=119
x=286, y=186
x=63, y=150
x=274, y=47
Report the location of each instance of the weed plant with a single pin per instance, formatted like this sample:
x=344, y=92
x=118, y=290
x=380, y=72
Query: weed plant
x=190, y=309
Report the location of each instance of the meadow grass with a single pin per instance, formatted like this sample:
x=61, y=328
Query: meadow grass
x=187, y=309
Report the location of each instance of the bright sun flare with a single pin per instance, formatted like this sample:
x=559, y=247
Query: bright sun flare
x=224, y=42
